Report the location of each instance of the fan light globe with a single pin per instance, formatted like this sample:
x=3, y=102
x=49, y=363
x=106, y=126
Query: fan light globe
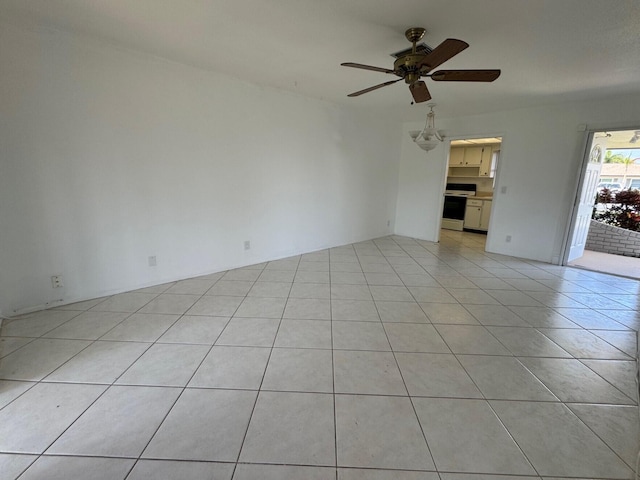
x=429, y=138
x=427, y=145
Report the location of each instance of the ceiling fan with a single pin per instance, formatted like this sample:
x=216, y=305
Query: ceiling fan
x=412, y=65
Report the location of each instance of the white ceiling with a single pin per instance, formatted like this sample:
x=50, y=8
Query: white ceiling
x=548, y=50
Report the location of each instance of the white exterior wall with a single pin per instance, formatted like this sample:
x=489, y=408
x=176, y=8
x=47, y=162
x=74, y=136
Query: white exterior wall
x=611, y=239
x=109, y=156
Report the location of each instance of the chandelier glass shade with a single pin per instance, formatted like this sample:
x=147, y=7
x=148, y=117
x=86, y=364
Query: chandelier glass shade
x=429, y=137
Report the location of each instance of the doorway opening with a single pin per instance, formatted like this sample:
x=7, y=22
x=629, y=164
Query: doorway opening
x=470, y=180
x=603, y=227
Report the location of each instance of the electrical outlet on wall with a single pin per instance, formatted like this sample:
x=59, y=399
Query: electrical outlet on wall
x=56, y=281
x=508, y=239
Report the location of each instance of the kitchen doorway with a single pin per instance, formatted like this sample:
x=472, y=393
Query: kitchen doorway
x=470, y=180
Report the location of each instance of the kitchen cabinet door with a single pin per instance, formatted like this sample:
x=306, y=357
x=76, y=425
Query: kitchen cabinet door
x=473, y=214
x=484, y=216
x=473, y=156
x=486, y=168
x=456, y=156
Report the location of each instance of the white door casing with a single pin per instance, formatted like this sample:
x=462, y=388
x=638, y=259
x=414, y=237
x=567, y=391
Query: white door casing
x=586, y=196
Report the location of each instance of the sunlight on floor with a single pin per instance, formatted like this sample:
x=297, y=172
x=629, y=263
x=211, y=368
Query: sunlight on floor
x=606, y=263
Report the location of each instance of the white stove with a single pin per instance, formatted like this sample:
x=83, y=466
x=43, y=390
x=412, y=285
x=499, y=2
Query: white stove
x=455, y=204
x=460, y=189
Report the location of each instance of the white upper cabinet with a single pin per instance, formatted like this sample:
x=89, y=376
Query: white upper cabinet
x=473, y=156
x=480, y=161
x=456, y=156
x=486, y=167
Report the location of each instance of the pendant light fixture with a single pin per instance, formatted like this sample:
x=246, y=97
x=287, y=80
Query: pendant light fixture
x=429, y=138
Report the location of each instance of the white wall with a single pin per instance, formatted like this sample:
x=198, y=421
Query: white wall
x=109, y=156
x=540, y=160
x=421, y=188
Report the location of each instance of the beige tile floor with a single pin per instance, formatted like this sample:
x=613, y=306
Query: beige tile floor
x=388, y=359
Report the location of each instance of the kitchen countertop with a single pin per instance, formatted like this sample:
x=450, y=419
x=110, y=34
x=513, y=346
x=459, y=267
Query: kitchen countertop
x=482, y=197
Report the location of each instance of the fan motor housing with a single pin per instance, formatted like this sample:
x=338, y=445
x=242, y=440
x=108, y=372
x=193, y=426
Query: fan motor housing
x=408, y=67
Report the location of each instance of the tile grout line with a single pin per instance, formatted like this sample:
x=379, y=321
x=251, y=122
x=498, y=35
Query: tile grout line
x=483, y=398
x=264, y=373
x=182, y=389
x=333, y=373
x=413, y=407
x=41, y=454
x=495, y=413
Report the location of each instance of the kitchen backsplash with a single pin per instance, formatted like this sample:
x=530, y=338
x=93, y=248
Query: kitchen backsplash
x=484, y=185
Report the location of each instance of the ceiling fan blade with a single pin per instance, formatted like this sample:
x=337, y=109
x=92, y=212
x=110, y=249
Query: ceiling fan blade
x=375, y=87
x=465, y=75
x=443, y=52
x=420, y=92
x=366, y=67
